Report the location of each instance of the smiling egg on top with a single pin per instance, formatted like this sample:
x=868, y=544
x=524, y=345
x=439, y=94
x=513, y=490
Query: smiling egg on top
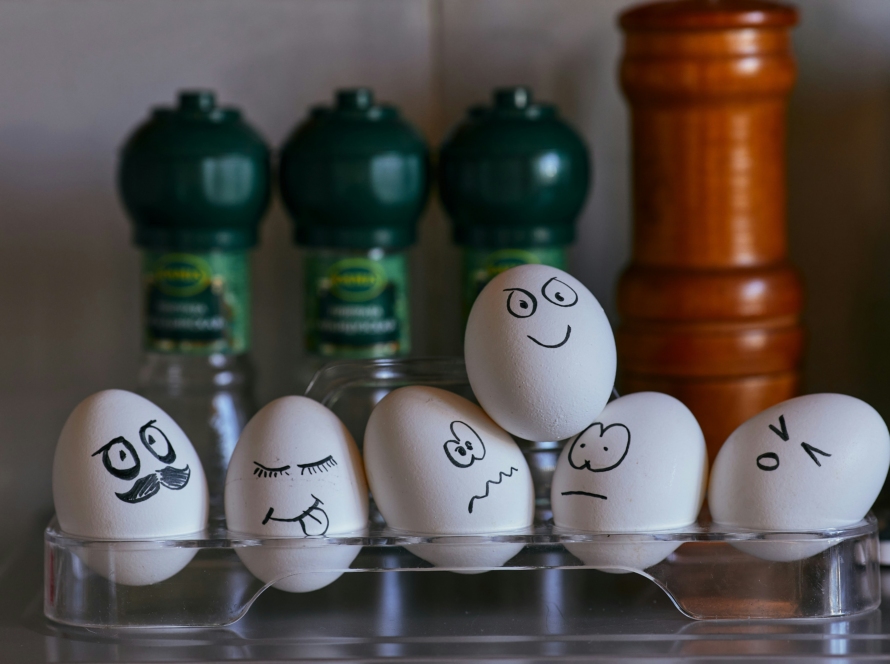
x=297, y=473
x=123, y=469
x=641, y=466
x=437, y=464
x=540, y=353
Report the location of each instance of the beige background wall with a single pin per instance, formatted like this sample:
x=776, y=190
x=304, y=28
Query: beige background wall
x=77, y=76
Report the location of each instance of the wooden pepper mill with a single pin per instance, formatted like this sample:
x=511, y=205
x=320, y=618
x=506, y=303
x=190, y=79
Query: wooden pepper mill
x=710, y=306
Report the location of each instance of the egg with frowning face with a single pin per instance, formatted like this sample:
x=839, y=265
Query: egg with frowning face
x=123, y=469
x=809, y=463
x=540, y=353
x=641, y=467
x=437, y=464
x=296, y=473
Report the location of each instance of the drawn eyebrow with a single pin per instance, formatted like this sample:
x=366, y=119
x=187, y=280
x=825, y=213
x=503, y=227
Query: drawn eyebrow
x=262, y=471
x=318, y=466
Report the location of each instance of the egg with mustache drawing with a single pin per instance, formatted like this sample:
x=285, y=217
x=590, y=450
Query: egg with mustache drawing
x=123, y=470
x=438, y=465
x=296, y=473
x=641, y=467
x=540, y=353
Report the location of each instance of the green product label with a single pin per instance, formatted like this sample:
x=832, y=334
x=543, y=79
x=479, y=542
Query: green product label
x=357, y=307
x=481, y=266
x=197, y=303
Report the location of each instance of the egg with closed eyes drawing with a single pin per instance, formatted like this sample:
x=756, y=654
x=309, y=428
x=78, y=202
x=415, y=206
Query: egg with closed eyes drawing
x=811, y=463
x=640, y=467
x=438, y=465
x=296, y=473
x=123, y=470
x=540, y=353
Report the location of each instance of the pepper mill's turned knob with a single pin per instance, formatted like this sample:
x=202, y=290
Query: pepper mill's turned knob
x=709, y=305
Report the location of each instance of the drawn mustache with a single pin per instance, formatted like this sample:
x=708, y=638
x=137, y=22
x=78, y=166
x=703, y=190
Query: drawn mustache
x=147, y=486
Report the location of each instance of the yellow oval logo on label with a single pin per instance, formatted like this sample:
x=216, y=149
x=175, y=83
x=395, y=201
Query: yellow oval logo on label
x=503, y=260
x=357, y=279
x=181, y=275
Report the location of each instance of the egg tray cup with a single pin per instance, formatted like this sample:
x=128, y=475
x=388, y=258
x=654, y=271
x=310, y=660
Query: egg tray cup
x=713, y=573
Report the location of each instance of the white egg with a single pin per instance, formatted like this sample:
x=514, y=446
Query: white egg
x=123, y=469
x=438, y=465
x=296, y=473
x=540, y=353
x=809, y=463
x=641, y=467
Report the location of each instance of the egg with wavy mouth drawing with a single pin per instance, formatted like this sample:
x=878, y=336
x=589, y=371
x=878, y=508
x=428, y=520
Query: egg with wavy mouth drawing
x=296, y=473
x=540, y=353
x=123, y=469
x=641, y=467
x=810, y=463
x=438, y=465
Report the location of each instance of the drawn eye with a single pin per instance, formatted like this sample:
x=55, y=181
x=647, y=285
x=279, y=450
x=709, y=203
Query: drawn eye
x=262, y=471
x=522, y=305
x=559, y=293
x=317, y=466
x=119, y=458
x=466, y=446
x=157, y=443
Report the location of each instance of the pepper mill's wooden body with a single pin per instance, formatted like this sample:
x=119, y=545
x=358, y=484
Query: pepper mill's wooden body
x=709, y=304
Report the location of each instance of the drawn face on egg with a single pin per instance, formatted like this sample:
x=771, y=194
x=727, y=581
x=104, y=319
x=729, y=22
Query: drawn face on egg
x=464, y=449
x=523, y=304
x=437, y=463
x=121, y=460
x=295, y=472
x=598, y=449
x=313, y=520
x=770, y=461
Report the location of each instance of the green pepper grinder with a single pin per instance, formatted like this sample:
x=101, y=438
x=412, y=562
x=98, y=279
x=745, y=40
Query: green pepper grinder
x=196, y=181
x=355, y=179
x=513, y=178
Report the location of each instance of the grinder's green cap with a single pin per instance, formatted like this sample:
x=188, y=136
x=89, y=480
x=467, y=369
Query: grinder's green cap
x=195, y=177
x=355, y=175
x=513, y=174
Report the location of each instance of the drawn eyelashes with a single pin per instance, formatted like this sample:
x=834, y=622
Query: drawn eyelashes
x=119, y=456
x=317, y=466
x=320, y=466
x=466, y=446
x=262, y=471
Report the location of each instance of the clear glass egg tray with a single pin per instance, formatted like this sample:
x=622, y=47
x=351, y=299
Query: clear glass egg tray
x=712, y=574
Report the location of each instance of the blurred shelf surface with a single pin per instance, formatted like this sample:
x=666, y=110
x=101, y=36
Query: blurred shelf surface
x=541, y=615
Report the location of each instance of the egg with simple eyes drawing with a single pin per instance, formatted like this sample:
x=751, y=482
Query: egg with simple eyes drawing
x=438, y=465
x=810, y=463
x=641, y=467
x=540, y=353
x=123, y=469
x=296, y=473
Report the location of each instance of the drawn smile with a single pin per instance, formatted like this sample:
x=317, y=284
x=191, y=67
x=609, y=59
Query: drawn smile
x=561, y=343
x=488, y=483
x=584, y=493
x=314, y=521
x=147, y=486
